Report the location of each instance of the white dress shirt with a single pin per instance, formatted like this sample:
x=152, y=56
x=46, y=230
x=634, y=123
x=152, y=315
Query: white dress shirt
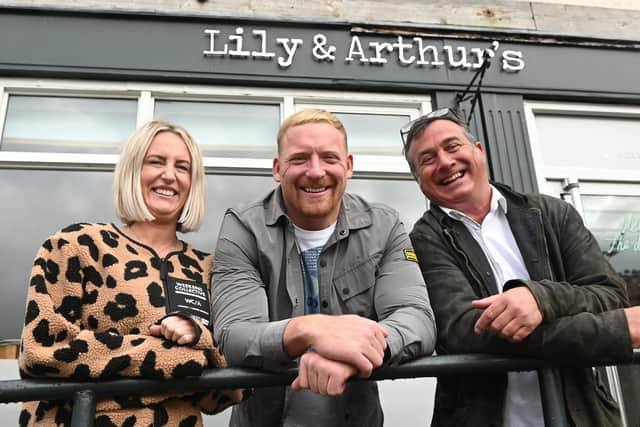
x=523, y=407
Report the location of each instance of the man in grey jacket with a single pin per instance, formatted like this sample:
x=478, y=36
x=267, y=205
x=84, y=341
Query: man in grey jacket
x=312, y=276
x=511, y=273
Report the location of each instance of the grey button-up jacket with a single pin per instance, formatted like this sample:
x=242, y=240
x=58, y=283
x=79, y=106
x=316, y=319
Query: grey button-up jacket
x=365, y=268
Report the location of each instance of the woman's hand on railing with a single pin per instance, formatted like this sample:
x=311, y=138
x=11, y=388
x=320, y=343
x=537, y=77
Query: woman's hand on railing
x=176, y=329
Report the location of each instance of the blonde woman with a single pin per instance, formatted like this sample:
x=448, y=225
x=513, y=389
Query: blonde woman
x=108, y=301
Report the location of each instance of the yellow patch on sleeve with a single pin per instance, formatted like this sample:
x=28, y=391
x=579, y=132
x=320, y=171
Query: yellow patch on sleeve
x=410, y=255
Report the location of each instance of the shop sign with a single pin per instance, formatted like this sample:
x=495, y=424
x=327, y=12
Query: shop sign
x=405, y=51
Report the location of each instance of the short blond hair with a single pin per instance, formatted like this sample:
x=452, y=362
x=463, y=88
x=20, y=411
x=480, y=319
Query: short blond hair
x=129, y=201
x=311, y=115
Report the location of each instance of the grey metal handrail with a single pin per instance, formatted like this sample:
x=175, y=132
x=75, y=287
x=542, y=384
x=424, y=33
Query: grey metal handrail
x=85, y=394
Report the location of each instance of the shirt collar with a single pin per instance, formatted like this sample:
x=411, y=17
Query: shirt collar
x=498, y=201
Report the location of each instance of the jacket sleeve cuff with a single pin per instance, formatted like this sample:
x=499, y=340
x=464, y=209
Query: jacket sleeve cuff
x=396, y=350
x=622, y=334
x=275, y=358
x=545, y=308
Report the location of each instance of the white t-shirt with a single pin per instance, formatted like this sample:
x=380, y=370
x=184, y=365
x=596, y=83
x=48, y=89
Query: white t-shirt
x=303, y=407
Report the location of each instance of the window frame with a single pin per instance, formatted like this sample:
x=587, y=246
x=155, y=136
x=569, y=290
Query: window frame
x=147, y=94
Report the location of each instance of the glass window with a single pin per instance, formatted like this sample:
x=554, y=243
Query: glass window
x=590, y=142
x=37, y=204
x=67, y=124
x=615, y=222
x=404, y=196
x=374, y=134
x=43, y=201
x=597, y=145
x=225, y=129
x=578, y=142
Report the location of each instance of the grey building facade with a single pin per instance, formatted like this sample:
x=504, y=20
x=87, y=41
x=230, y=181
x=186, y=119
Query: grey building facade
x=560, y=104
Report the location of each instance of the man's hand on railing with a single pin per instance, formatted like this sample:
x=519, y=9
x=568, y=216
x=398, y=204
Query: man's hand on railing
x=350, y=339
x=633, y=320
x=512, y=315
x=322, y=375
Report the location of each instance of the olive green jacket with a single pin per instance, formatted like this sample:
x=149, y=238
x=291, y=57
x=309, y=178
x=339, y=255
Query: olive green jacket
x=578, y=292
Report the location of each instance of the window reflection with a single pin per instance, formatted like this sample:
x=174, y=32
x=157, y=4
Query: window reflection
x=615, y=222
x=404, y=196
x=36, y=204
x=225, y=129
x=67, y=124
x=374, y=134
x=576, y=141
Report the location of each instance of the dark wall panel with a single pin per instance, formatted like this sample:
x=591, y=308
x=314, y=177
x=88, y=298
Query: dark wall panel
x=511, y=160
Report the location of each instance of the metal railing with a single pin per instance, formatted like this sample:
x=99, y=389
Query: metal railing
x=85, y=394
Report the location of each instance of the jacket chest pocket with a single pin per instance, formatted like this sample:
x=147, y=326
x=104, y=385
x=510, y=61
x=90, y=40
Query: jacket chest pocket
x=355, y=288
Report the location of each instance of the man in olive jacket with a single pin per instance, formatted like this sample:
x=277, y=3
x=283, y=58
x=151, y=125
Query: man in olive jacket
x=514, y=274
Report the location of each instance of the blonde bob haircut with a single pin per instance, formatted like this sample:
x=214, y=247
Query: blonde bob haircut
x=311, y=115
x=129, y=202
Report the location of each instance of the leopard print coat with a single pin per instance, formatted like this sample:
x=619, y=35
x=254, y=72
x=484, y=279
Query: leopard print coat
x=92, y=296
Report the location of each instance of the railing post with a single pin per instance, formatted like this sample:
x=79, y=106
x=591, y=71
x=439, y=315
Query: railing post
x=552, y=396
x=84, y=409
